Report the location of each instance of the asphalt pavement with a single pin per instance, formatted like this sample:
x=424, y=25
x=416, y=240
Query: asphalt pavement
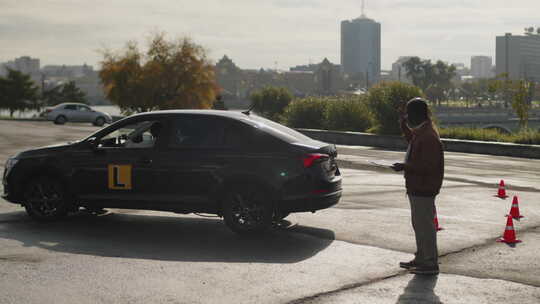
x=345, y=254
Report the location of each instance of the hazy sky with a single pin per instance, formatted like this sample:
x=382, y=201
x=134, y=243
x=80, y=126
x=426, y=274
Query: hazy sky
x=256, y=33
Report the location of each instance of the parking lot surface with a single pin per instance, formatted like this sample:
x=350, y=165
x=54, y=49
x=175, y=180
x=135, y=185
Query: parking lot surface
x=345, y=254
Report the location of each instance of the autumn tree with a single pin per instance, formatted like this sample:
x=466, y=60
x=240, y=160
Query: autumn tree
x=168, y=75
x=18, y=92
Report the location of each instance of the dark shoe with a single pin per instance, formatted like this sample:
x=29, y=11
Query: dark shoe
x=407, y=265
x=424, y=270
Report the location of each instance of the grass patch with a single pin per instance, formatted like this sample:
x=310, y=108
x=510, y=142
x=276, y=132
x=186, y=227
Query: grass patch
x=530, y=137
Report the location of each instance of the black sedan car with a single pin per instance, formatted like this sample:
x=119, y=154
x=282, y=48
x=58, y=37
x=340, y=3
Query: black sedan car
x=245, y=168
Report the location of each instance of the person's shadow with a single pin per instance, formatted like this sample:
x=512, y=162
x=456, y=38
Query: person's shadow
x=420, y=290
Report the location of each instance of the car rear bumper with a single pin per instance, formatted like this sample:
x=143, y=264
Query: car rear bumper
x=310, y=203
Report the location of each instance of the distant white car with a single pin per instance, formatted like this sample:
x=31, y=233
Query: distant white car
x=76, y=112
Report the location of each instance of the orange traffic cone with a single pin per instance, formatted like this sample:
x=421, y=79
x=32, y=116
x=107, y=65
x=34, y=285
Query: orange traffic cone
x=501, y=193
x=509, y=236
x=514, y=211
x=436, y=221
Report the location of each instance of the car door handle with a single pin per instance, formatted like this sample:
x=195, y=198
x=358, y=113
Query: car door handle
x=145, y=161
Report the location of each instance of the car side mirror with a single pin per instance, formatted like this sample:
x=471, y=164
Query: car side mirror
x=137, y=139
x=92, y=143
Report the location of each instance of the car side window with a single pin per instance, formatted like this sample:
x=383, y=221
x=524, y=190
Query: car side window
x=83, y=108
x=143, y=134
x=70, y=107
x=194, y=131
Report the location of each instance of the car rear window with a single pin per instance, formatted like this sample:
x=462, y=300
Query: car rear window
x=196, y=131
x=250, y=137
x=280, y=131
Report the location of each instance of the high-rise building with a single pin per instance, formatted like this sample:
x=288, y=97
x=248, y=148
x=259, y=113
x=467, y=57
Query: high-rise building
x=519, y=56
x=361, y=48
x=481, y=66
x=25, y=65
x=399, y=72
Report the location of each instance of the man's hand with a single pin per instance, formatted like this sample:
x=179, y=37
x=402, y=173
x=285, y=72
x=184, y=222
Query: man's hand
x=398, y=167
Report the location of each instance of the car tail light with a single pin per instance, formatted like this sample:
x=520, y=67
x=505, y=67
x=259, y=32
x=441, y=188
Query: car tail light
x=309, y=159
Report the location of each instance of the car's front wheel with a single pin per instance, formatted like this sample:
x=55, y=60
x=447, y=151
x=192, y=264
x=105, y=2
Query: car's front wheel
x=247, y=211
x=99, y=122
x=60, y=120
x=45, y=199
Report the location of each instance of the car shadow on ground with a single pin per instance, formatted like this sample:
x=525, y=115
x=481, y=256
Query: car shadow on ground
x=420, y=289
x=171, y=238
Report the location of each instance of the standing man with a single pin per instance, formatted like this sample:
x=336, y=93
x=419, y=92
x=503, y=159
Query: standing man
x=424, y=172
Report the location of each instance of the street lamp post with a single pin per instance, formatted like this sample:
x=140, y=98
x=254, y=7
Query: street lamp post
x=367, y=75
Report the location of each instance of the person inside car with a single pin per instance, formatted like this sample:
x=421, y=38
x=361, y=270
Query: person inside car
x=139, y=140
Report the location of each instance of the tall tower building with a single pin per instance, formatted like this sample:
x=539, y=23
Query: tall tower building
x=361, y=48
x=481, y=66
x=519, y=56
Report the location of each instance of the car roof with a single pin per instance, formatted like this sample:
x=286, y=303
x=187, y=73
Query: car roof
x=222, y=113
x=71, y=103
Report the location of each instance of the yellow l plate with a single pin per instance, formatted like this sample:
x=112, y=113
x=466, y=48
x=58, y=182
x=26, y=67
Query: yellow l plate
x=119, y=177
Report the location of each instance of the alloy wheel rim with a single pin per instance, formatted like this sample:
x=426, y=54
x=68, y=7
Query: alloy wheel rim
x=246, y=211
x=44, y=198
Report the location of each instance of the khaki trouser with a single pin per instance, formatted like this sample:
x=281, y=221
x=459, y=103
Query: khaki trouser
x=422, y=215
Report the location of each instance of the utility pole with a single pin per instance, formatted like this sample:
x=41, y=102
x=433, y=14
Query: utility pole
x=367, y=80
x=506, y=68
x=42, y=85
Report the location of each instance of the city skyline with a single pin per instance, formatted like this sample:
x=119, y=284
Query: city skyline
x=257, y=35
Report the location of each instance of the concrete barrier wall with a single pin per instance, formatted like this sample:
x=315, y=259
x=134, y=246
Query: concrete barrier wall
x=398, y=143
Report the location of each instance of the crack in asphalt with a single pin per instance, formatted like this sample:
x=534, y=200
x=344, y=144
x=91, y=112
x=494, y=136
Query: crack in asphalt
x=345, y=288
x=483, y=277
x=487, y=243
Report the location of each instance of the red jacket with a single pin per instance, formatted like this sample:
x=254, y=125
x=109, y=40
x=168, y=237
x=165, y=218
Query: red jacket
x=424, y=166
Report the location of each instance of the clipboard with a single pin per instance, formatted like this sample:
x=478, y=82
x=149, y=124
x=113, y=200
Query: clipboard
x=382, y=163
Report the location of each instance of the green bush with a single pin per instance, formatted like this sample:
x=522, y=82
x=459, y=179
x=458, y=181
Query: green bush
x=330, y=113
x=473, y=134
x=384, y=100
x=270, y=102
x=348, y=114
x=305, y=113
x=530, y=137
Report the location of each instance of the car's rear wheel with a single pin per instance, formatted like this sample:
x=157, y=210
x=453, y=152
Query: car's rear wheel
x=247, y=211
x=100, y=121
x=60, y=120
x=45, y=199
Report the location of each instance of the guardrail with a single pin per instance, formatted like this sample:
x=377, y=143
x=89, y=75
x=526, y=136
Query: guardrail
x=398, y=143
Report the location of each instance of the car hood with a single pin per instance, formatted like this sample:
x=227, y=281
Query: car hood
x=44, y=151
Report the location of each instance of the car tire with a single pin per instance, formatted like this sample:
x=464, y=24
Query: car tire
x=45, y=199
x=247, y=210
x=60, y=120
x=99, y=122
